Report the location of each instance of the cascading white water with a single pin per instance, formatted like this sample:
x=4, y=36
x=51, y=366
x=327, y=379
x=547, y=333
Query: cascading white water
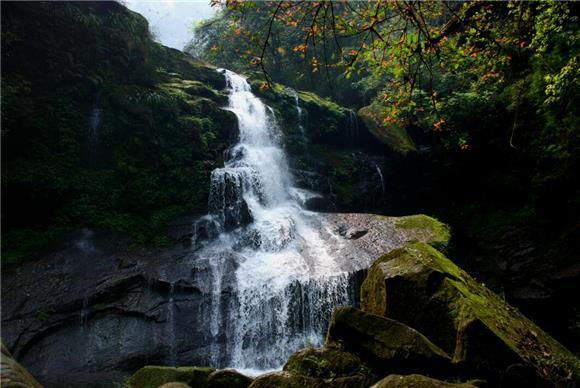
x=285, y=281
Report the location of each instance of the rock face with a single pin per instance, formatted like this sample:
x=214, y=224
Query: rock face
x=419, y=286
x=96, y=310
x=13, y=375
x=384, y=344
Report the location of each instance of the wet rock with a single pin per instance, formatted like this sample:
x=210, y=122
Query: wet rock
x=386, y=345
x=13, y=375
x=96, y=306
x=422, y=288
x=155, y=376
x=417, y=381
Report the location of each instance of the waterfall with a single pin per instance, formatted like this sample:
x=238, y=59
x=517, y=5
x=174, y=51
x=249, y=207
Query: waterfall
x=93, y=135
x=171, y=325
x=353, y=126
x=274, y=281
x=298, y=114
x=380, y=177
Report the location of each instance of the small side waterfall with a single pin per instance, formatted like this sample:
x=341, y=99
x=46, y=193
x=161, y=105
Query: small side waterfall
x=353, y=126
x=274, y=281
x=93, y=135
x=382, y=179
x=171, y=325
x=299, y=114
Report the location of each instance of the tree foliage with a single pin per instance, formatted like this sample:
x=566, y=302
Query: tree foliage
x=423, y=60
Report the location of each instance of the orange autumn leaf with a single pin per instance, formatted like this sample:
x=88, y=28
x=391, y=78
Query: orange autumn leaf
x=438, y=126
x=300, y=48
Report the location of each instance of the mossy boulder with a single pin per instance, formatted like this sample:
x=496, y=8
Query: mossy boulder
x=440, y=232
x=290, y=380
x=326, y=362
x=154, y=376
x=417, y=381
x=386, y=345
x=175, y=384
x=422, y=288
x=228, y=378
x=14, y=375
x=394, y=136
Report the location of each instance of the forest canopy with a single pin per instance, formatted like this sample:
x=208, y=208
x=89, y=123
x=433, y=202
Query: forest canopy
x=432, y=64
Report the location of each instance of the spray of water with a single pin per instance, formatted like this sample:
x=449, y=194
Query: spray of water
x=286, y=281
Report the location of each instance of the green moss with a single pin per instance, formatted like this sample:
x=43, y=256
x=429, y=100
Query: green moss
x=394, y=136
x=154, y=376
x=481, y=323
x=421, y=221
x=324, y=363
x=420, y=228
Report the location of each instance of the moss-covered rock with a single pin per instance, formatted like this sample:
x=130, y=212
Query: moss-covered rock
x=228, y=378
x=289, y=380
x=12, y=374
x=386, y=345
x=440, y=231
x=326, y=362
x=417, y=381
x=392, y=135
x=175, y=384
x=420, y=287
x=154, y=376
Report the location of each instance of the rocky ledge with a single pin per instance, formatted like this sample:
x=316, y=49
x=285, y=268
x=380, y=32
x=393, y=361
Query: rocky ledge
x=425, y=323
x=96, y=309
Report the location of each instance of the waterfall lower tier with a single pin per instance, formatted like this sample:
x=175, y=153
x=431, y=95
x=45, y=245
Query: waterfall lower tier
x=260, y=327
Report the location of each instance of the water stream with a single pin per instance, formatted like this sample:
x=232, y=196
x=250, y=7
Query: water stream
x=274, y=280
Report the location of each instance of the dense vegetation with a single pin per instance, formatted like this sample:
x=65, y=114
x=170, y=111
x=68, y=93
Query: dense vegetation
x=100, y=129
x=477, y=104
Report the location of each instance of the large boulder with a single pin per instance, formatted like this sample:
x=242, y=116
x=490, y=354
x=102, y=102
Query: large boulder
x=290, y=380
x=417, y=381
x=12, y=374
x=175, y=384
x=419, y=286
x=326, y=362
x=386, y=345
x=228, y=378
x=155, y=376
